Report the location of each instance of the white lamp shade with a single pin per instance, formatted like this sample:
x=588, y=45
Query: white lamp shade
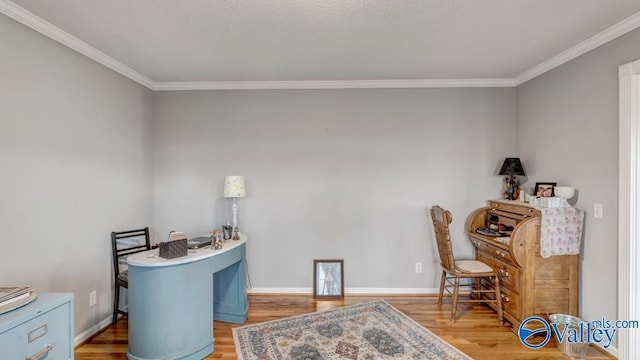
x=234, y=187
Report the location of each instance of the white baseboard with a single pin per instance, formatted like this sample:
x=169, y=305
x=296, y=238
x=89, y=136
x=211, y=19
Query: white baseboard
x=390, y=291
x=302, y=291
x=92, y=331
x=95, y=328
x=348, y=291
x=611, y=350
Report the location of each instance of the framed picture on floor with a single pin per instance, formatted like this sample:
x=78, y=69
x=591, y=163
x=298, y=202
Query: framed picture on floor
x=328, y=278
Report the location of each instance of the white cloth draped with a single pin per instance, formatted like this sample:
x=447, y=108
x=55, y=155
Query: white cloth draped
x=561, y=231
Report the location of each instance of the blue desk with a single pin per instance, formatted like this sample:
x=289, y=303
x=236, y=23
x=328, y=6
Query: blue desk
x=173, y=302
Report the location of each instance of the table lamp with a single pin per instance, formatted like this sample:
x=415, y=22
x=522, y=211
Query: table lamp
x=511, y=167
x=234, y=188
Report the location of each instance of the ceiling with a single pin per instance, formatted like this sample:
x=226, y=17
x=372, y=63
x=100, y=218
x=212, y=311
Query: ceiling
x=169, y=42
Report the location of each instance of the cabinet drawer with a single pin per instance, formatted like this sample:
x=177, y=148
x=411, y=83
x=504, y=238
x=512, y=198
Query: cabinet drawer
x=498, y=253
x=486, y=258
x=509, y=275
x=49, y=329
x=510, y=299
x=511, y=302
x=523, y=210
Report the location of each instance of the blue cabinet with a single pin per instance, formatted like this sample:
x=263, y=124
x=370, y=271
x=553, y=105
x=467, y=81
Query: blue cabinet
x=42, y=329
x=170, y=311
x=173, y=302
x=229, y=287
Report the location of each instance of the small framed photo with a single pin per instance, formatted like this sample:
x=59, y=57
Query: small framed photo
x=544, y=189
x=328, y=278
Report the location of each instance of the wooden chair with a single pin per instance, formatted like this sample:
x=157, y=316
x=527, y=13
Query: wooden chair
x=462, y=269
x=123, y=244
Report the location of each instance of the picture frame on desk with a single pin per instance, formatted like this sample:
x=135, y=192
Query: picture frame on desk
x=328, y=278
x=544, y=189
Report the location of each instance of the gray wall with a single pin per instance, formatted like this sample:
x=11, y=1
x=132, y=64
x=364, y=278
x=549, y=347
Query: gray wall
x=332, y=174
x=568, y=132
x=75, y=154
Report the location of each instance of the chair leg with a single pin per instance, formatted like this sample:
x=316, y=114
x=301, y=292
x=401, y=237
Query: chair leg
x=442, y=283
x=498, y=299
x=477, y=287
x=455, y=299
x=116, y=300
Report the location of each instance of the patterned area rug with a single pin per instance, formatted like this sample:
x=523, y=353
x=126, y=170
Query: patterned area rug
x=373, y=330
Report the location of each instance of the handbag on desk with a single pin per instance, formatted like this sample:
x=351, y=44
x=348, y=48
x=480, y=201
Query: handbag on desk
x=175, y=247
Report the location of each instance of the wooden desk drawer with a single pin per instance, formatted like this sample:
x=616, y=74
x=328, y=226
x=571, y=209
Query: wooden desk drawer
x=486, y=258
x=510, y=302
x=523, y=210
x=509, y=275
x=510, y=299
x=48, y=332
x=495, y=251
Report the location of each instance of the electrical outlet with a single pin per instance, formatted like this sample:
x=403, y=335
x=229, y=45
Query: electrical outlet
x=418, y=267
x=93, y=298
x=597, y=211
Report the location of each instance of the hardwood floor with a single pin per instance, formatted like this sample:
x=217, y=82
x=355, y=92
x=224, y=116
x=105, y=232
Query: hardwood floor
x=476, y=332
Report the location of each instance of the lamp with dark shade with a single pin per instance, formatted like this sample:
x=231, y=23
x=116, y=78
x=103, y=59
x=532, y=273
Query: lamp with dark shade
x=511, y=167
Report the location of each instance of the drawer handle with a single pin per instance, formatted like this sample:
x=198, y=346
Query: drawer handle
x=41, y=354
x=504, y=273
x=500, y=253
x=504, y=298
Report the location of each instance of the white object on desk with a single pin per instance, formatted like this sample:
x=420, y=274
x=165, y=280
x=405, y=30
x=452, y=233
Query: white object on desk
x=565, y=192
x=549, y=202
x=503, y=239
x=18, y=301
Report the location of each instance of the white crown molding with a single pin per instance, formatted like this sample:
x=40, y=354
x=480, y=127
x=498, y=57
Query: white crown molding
x=615, y=31
x=38, y=24
x=25, y=17
x=333, y=84
x=29, y=19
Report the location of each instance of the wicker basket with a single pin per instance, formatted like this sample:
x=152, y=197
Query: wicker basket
x=173, y=249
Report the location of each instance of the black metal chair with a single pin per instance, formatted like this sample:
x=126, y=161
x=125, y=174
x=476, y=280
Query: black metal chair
x=123, y=244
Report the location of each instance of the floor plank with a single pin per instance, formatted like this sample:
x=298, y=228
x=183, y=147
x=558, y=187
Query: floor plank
x=476, y=332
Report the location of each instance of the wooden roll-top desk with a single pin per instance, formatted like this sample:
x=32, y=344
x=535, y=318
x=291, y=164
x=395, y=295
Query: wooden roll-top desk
x=531, y=284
